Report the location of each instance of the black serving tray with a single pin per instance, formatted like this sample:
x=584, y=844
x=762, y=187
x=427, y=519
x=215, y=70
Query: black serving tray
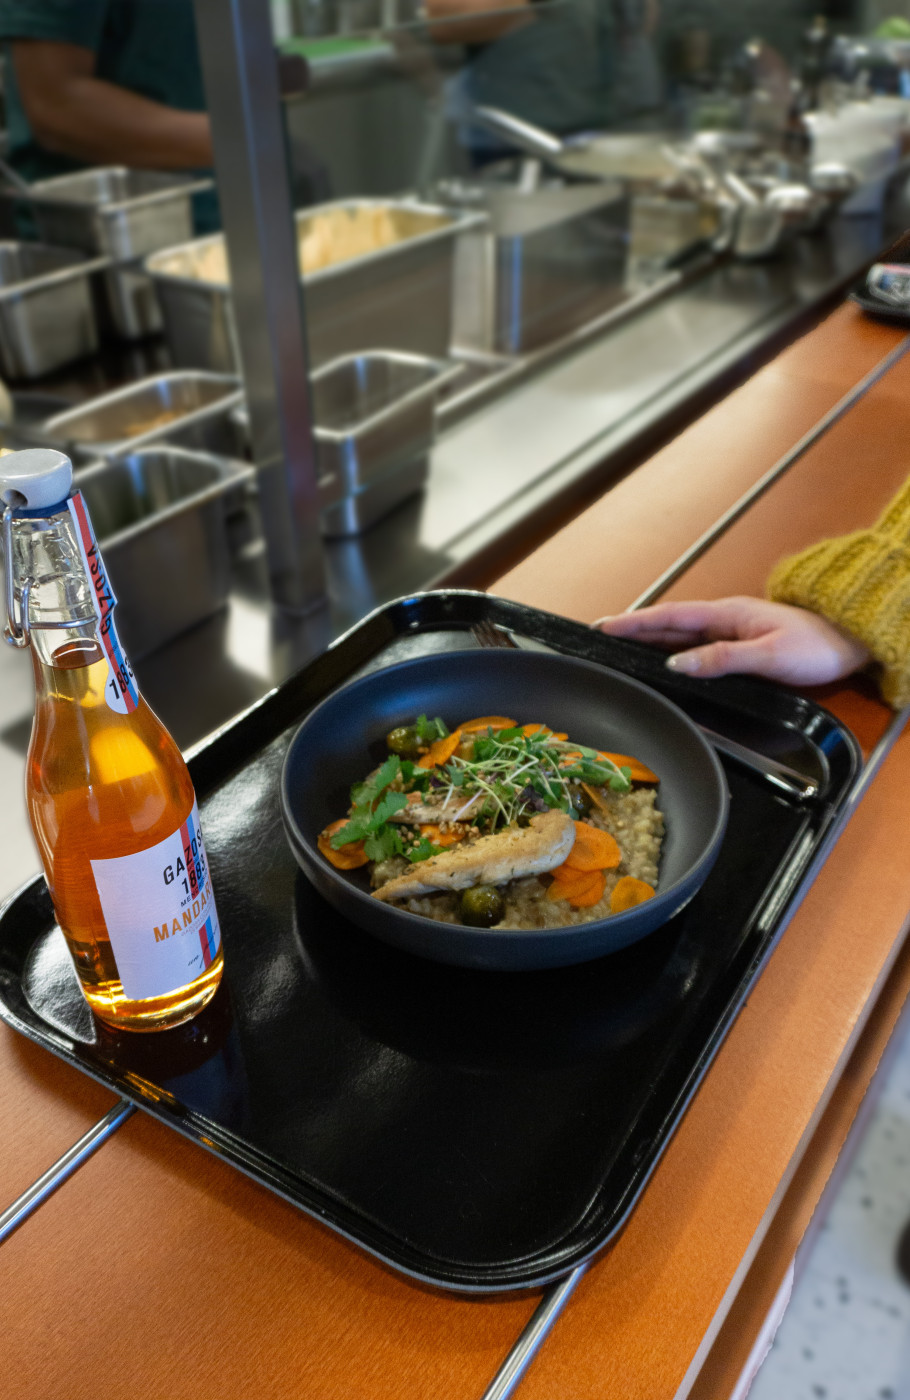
x=478, y=1130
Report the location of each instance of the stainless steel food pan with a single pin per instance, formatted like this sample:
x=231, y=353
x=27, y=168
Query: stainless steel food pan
x=111, y=209
x=132, y=303
x=372, y=413
x=399, y=297
x=354, y=513
x=159, y=516
x=188, y=408
x=47, y=314
x=122, y=214
x=554, y=258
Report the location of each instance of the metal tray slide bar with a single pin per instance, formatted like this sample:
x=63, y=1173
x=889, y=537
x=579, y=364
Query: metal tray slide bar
x=542, y=1321
x=36, y=1194
x=780, y=467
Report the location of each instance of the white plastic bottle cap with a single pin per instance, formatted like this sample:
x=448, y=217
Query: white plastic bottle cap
x=35, y=479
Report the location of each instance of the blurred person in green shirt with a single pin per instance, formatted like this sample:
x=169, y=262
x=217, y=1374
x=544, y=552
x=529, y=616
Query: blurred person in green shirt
x=105, y=82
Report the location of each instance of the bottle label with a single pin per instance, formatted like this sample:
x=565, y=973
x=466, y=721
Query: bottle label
x=160, y=912
x=121, y=692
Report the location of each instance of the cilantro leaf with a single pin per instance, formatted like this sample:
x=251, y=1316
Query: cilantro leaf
x=386, y=807
x=380, y=845
x=429, y=730
x=423, y=850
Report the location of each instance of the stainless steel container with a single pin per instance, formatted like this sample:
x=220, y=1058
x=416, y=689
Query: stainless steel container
x=47, y=313
x=554, y=258
x=355, y=513
x=122, y=214
x=372, y=413
x=159, y=517
x=187, y=408
x=374, y=417
x=398, y=297
x=110, y=209
x=375, y=423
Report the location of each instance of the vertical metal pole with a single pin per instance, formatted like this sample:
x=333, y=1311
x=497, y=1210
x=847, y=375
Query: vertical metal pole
x=240, y=71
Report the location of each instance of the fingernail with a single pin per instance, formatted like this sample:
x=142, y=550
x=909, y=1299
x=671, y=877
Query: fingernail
x=683, y=661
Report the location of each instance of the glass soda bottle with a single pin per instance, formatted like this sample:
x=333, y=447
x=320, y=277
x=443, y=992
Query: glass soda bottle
x=109, y=797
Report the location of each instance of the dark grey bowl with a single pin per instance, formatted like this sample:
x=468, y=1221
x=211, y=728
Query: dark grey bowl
x=343, y=739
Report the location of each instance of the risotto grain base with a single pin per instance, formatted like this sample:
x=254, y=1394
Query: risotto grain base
x=633, y=818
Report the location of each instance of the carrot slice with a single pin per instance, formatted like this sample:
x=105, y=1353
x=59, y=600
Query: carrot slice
x=441, y=751
x=572, y=883
x=593, y=849
x=530, y=729
x=628, y=892
x=641, y=773
x=347, y=857
x=434, y=833
x=592, y=896
x=471, y=726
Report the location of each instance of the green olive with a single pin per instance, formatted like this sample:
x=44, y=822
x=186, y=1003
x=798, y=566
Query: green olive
x=482, y=906
x=404, y=741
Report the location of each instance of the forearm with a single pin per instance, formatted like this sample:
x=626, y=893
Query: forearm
x=102, y=124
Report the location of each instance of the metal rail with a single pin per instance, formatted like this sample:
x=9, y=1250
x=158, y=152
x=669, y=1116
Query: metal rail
x=782, y=465
x=63, y=1168
x=539, y=1326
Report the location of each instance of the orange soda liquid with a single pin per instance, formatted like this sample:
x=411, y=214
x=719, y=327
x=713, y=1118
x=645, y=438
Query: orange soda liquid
x=101, y=785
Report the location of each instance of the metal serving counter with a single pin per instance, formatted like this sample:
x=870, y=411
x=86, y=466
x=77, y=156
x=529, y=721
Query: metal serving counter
x=503, y=479
x=500, y=479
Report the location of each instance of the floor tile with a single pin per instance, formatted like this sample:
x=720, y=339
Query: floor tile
x=846, y=1333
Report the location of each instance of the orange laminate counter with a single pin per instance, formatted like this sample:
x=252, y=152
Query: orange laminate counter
x=202, y=1283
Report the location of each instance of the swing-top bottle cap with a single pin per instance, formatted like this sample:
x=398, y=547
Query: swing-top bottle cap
x=35, y=479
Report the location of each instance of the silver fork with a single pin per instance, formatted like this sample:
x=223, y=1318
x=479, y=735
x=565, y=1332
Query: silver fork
x=781, y=775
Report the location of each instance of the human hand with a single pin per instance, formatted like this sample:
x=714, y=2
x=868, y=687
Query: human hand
x=746, y=635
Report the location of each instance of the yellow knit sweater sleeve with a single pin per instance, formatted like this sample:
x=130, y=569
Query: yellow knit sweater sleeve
x=861, y=582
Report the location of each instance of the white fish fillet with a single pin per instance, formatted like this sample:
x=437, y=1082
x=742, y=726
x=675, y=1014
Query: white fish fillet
x=490, y=860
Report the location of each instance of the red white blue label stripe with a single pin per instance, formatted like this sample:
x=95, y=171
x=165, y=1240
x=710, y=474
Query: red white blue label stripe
x=122, y=684
x=208, y=943
x=193, y=852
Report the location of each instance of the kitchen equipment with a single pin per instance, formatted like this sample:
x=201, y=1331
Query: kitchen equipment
x=374, y=411
x=189, y=408
x=374, y=425
x=113, y=210
x=342, y=739
x=345, y=516
x=374, y=417
x=534, y=1106
x=399, y=297
x=159, y=517
x=866, y=139
x=122, y=214
x=637, y=158
x=47, y=314
x=554, y=257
